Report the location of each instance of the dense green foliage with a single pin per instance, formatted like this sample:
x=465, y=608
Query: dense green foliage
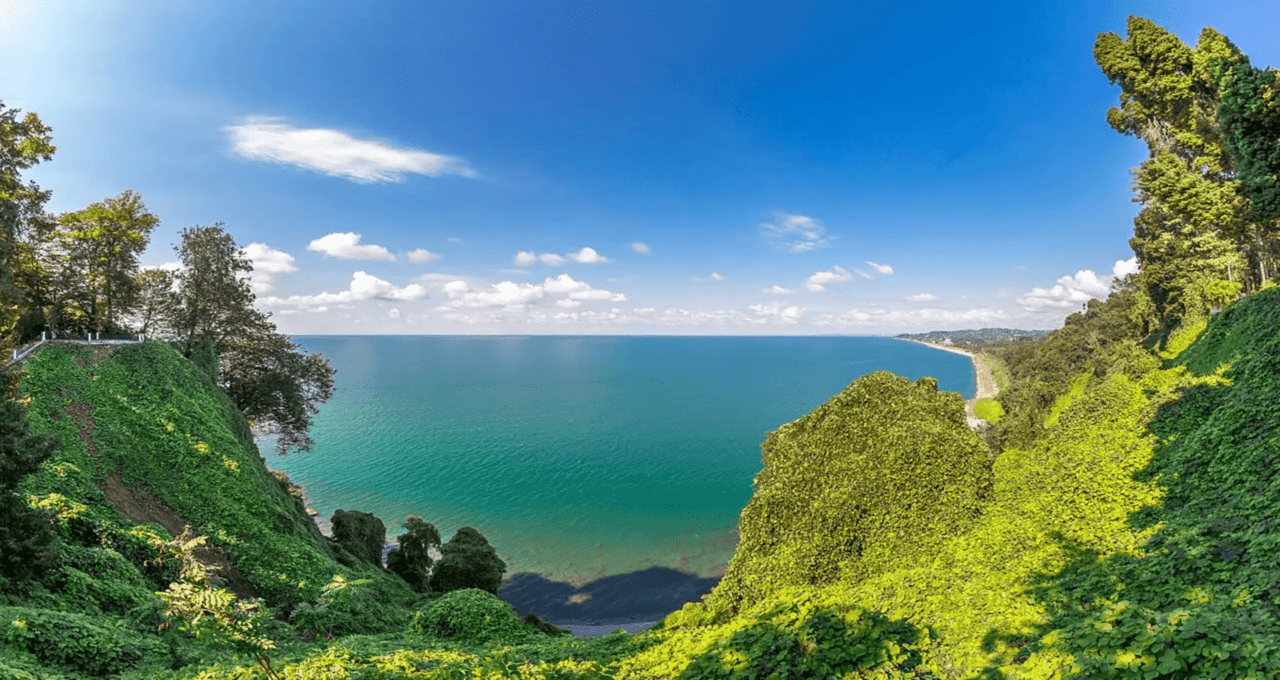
x=884, y=469
x=270, y=379
x=413, y=559
x=360, y=533
x=26, y=540
x=157, y=421
x=468, y=561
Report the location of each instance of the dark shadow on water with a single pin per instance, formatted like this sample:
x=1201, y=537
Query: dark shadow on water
x=645, y=595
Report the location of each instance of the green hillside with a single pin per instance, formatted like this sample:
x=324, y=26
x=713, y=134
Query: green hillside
x=1119, y=520
x=1135, y=538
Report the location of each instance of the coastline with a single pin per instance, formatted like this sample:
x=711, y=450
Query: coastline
x=985, y=387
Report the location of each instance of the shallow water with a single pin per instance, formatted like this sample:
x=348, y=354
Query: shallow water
x=577, y=457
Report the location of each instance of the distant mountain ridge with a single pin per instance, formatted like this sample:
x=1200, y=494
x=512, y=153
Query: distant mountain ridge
x=975, y=339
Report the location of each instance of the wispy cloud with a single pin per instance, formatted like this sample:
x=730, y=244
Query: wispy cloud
x=717, y=276
x=346, y=244
x=922, y=297
x=880, y=268
x=268, y=263
x=819, y=281
x=1070, y=292
x=336, y=153
x=797, y=233
x=775, y=289
x=640, y=247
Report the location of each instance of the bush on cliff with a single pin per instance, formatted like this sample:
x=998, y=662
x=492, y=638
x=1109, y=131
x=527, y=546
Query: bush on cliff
x=361, y=533
x=468, y=561
x=884, y=469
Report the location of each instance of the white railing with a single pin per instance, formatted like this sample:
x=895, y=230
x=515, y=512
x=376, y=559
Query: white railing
x=21, y=353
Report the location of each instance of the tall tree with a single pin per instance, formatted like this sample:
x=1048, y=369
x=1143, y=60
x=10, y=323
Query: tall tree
x=100, y=246
x=1188, y=236
x=155, y=303
x=1250, y=119
x=24, y=142
x=271, y=380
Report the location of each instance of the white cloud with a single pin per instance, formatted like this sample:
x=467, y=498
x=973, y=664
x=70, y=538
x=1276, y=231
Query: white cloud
x=922, y=297
x=267, y=264
x=932, y=317
x=337, y=154
x=881, y=268
x=1071, y=292
x=501, y=294
x=863, y=274
x=797, y=233
x=346, y=244
x=517, y=295
x=717, y=276
x=588, y=256
x=422, y=256
x=1123, y=268
x=393, y=313
x=776, y=311
x=585, y=256
x=818, y=282
x=775, y=289
x=363, y=286
x=639, y=247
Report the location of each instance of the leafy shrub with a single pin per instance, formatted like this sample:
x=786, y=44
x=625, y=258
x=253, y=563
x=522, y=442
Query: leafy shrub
x=352, y=607
x=93, y=645
x=468, y=561
x=471, y=615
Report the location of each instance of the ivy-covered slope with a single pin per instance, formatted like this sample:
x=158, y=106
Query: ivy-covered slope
x=148, y=428
x=885, y=468
x=1135, y=538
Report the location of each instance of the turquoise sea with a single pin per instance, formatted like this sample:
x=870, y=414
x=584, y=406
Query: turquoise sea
x=576, y=456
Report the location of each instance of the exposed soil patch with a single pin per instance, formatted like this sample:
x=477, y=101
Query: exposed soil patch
x=96, y=353
x=143, y=508
x=82, y=415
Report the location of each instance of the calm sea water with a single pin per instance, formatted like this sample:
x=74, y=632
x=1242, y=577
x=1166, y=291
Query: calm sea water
x=576, y=456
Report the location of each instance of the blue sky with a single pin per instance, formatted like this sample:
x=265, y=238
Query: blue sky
x=617, y=168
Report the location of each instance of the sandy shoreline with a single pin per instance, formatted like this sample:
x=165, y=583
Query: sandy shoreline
x=986, y=383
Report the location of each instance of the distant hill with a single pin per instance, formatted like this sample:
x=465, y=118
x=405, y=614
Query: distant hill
x=976, y=339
